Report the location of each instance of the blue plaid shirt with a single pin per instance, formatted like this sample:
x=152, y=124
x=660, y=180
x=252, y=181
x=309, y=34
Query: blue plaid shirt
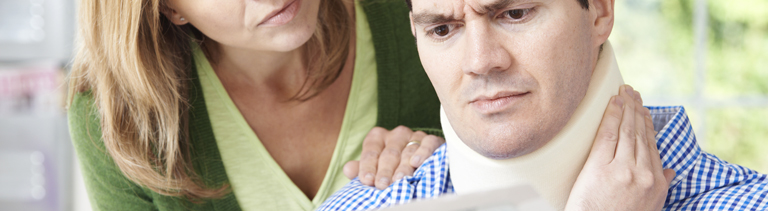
x=703, y=181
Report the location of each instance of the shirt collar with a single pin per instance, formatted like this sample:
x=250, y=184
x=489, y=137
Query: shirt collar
x=675, y=139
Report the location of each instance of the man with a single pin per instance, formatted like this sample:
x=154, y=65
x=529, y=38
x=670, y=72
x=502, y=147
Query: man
x=519, y=81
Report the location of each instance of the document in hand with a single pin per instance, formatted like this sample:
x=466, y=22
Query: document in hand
x=516, y=198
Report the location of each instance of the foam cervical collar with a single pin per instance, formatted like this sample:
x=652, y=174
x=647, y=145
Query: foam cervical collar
x=552, y=169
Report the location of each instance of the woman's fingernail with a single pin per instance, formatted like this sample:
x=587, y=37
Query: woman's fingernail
x=416, y=160
x=369, y=177
x=618, y=101
x=630, y=91
x=384, y=181
x=398, y=176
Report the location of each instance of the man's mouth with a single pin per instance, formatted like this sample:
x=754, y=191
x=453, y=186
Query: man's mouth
x=497, y=102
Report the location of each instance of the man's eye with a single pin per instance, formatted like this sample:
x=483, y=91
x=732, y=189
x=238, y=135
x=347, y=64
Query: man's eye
x=441, y=30
x=516, y=14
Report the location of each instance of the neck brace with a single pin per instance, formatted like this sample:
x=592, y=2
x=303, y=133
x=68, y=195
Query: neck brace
x=552, y=169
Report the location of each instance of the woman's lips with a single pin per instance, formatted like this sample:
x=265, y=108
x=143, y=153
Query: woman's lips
x=497, y=103
x=282, y=16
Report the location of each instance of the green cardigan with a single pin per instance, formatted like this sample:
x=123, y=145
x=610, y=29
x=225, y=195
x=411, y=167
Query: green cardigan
x=405, y=98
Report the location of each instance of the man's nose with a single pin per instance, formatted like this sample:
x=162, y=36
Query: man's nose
x=484, y=52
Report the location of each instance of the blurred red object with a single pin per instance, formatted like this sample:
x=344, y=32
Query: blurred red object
x=34, y=88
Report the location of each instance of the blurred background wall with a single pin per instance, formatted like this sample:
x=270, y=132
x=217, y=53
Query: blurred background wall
x=37, y=171
x=707, y=55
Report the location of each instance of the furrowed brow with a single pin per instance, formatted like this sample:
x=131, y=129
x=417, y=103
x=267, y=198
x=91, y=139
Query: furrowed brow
x=497, y=5
x=427, y=18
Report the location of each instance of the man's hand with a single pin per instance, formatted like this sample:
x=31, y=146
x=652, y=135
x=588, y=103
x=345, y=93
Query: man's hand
x=387, y=155
x=623, y=171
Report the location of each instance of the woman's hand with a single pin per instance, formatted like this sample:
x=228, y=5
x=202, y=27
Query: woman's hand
x=391, y=155
x=623, y=171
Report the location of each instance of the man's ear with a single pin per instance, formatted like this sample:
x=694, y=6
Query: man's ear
x=602, y=13
x=172, y=14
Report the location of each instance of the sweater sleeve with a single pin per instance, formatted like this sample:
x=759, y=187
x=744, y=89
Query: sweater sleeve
x=108, y=188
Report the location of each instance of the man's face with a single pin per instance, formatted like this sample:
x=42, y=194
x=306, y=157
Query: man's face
x=509, y=73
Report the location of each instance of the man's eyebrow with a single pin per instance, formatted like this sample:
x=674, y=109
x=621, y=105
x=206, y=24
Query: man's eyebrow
x=432, y=18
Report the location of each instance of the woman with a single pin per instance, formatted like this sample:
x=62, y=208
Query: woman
x=221, y=105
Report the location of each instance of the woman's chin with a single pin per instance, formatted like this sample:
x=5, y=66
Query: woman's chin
x=284, y=39
x=289, y=42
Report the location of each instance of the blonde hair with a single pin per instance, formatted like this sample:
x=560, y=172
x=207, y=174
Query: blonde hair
x=137, y=63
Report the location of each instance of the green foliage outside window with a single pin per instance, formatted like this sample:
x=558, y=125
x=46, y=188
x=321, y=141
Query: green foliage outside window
x=655, y=47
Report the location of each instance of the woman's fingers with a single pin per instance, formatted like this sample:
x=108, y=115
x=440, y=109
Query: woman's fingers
x=373, y=144
x=390, y=156
x=428, y=146
x=404, y=168
x=351, y=169
x=387, y=155
x=625, y=149
x=604, y=147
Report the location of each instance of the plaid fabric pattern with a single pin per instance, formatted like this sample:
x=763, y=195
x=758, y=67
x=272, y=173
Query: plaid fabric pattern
x=703, y=181
x=430, y=180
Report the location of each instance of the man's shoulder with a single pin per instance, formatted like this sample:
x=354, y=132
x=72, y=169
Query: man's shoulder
x=438, y=160
x=714, y=184
x=703, y=181
x=430, y=180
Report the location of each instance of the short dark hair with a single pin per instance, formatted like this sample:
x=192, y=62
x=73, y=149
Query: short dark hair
x=584, y=4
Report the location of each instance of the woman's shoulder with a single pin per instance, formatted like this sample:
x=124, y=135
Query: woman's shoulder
x=81, y=100
x=82, y=113
x=83, y=117
x=85, y=132
x=85, y=128
x=108, y=188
